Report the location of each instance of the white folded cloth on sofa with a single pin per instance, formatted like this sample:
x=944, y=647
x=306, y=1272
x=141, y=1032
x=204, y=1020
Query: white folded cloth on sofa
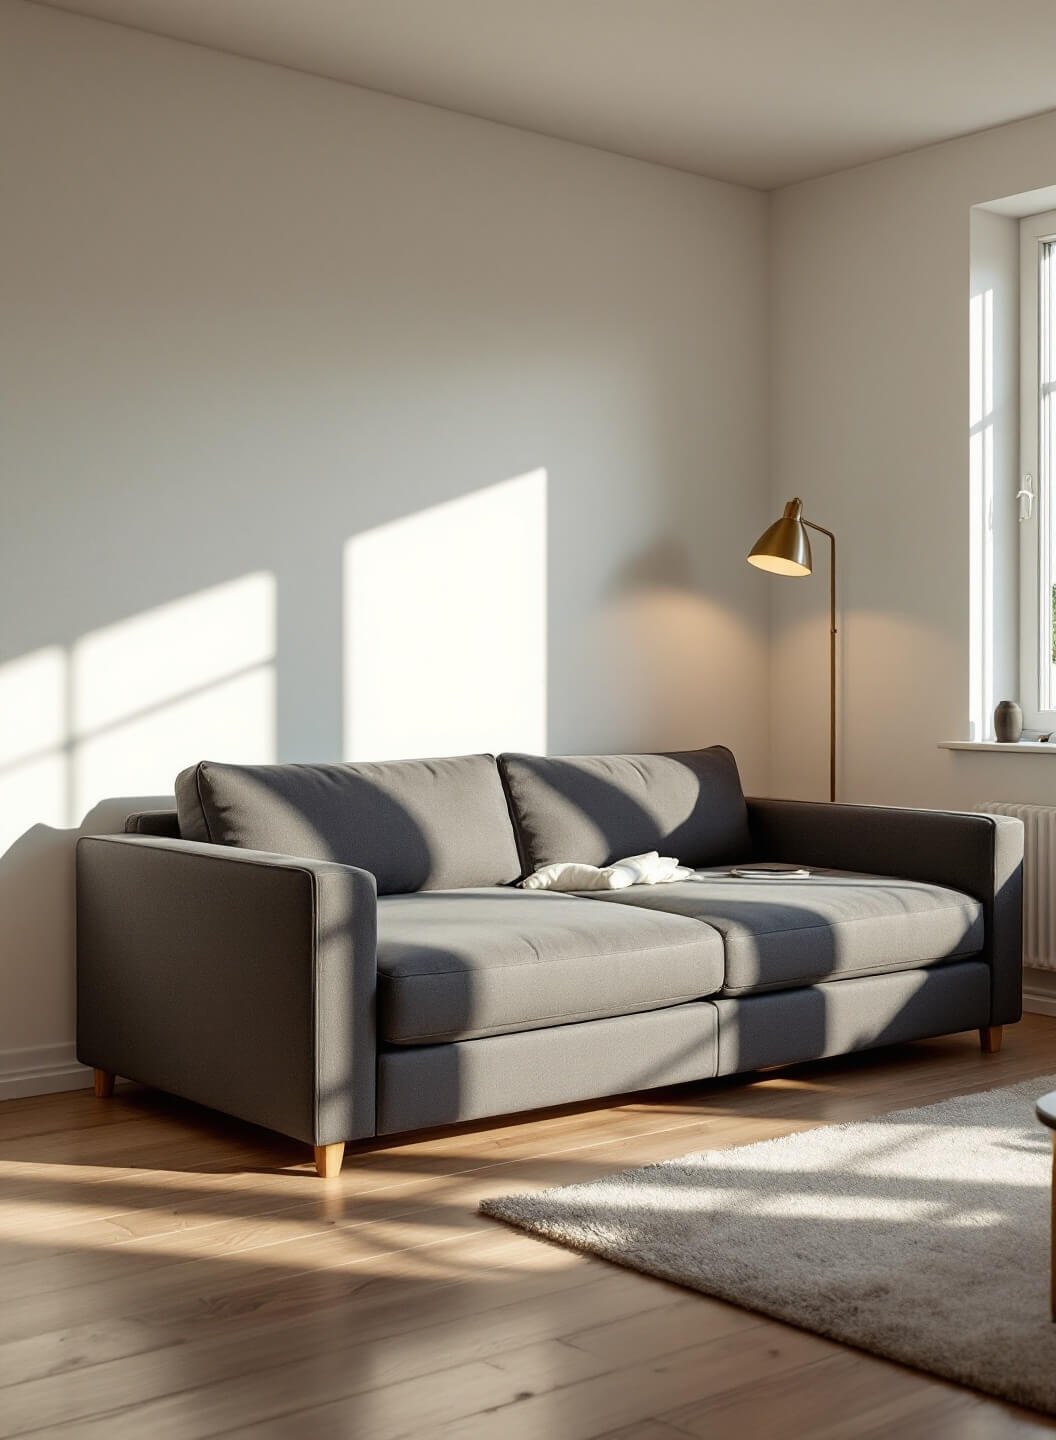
x=651, y=868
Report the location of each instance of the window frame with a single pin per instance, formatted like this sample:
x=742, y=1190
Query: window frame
x=1037, y=543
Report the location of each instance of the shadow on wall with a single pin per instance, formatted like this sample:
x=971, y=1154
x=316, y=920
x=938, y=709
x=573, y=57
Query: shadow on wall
x=37, y=931
x=665, y=648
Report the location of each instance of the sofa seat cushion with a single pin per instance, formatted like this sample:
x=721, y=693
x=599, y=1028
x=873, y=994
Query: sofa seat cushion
x=781, y=933
x=414, y=824
x=460, y=964
x=598, y=808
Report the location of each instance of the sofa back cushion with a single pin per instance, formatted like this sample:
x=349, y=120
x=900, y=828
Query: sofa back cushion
x=414, y=824
x=600, y=808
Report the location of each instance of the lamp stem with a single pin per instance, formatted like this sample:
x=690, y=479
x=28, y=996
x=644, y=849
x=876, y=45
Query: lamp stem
x=832, y=653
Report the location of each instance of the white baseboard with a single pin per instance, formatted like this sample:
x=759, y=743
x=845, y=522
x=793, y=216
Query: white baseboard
x=1039, y=991
x=1037, y=1003
x=41, y=1070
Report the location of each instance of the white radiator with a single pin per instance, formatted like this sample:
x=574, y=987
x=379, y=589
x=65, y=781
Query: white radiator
x=1039, y=880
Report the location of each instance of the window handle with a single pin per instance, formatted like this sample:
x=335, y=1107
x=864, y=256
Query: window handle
x=1025, y=496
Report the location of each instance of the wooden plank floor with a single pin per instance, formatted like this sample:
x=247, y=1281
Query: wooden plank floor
x=166, y=1273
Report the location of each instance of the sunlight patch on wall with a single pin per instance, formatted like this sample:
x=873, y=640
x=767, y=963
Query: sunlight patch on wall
x=129, y=705
x=172, y=650
x=33, y=780
x=231, y=720
x=186, y=681
x=445, y=627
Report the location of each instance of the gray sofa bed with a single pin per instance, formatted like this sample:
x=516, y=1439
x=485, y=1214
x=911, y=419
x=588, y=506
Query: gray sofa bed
x=341, y=951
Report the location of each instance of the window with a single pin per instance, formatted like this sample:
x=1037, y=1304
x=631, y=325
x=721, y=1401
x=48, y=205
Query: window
x=1037, y=470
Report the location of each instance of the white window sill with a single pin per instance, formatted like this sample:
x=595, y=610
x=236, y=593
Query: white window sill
x=1015, y=747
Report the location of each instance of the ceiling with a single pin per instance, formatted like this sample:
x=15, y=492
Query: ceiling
x=761, y=92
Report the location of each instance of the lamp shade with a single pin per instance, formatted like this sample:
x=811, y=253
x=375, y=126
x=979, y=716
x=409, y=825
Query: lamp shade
x=785, y=547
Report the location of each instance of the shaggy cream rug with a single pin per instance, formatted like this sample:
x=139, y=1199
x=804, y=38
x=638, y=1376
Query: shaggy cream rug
x=921, y=1235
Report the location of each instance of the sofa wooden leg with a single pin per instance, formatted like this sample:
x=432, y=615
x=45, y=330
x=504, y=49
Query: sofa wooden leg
x=104, y=1083
x=990, y=1039
x=328, y=1160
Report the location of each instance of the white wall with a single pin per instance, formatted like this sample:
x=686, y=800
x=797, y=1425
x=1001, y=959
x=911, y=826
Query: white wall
x=249, y=318
x=870, y=424
x=870, y=377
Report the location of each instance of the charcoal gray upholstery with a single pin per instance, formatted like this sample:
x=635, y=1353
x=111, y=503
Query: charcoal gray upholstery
x=599, y=808
x=250, y=965
x=813, y=1021
x=461, y=964
x=153, y=822
x=236, y=979
x=779, y=933
x=423, y=1085
x=414, y=824
x=981, y=855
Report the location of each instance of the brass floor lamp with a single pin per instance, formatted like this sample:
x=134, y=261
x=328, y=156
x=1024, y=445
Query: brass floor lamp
x=784, y=549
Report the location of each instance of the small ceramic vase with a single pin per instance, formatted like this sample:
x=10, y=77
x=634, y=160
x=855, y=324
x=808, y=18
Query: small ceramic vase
x=1008, y=722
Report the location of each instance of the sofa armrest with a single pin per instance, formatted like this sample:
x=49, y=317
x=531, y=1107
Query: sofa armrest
x=238, y=979
x=981, y=855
